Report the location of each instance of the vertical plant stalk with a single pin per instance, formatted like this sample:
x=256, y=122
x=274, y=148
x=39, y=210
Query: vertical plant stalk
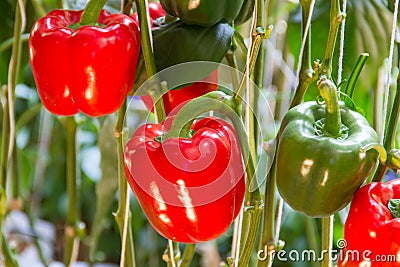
x=8, y=127
x=306, y=74
x=172, y=254
x=342, y=44
x=123, y=216
x=253, y=203
x=336, y=17
x=328, y=92
x=312, y=236
x=187, y=255
x=269, y=236
x=327, y=239
x=40, y=10
x=149, y=61
x=389, y=134
x=92, y=12
x=150, y=64
x=268, y=240
x=71, y=239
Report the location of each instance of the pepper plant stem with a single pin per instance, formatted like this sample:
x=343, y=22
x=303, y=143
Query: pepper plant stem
x=336, y=18
x=71, y=241
x=327, y=236
x=253, y=202
x=328, y=92
x=252, y=216
x=149, y=61
x=125, y=229
x=92, y=12
x=306, y=72
x=187, y=255
x=268, y=240
x=8, y=129
x=390, y=132
x=39, y=8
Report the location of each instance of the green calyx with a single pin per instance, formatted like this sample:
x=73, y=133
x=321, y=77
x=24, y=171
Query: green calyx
x=394, y=207
x=319, y=126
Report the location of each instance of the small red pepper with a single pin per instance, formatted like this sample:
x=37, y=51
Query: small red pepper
x=372, y=232
x=89, y=69
x=191, y=189
x=175, y=99
x=155, y=11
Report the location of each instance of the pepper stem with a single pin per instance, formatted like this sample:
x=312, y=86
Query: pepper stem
x=92, y=12
x=328, y=92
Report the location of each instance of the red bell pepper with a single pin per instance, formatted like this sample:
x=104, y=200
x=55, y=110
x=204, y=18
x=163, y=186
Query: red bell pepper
x=371, y=232
x=89, y=69
x=174, y=100
x=190, y=189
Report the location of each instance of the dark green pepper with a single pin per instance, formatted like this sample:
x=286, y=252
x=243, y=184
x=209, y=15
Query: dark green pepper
x=206, y=12
x=317, y=172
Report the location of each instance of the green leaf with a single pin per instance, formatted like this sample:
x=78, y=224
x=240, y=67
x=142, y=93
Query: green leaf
x=178, y=43
x=108, y=184
x=394, y=207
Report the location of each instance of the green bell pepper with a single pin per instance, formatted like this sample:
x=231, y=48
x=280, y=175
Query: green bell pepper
x=207, y=12
x=318, y=172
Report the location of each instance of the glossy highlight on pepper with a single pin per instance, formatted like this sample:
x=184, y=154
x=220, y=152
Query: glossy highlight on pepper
x=89, y=69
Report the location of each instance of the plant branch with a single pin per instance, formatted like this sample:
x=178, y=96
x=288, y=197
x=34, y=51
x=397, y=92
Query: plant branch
x=306, y=74
x=327, y=237
x=390, y=132
x=149, y=60
x=92, y=12
x=123, y=215
x=71, y=239
x=328, y=92
x=336, y=17
x=187, y=255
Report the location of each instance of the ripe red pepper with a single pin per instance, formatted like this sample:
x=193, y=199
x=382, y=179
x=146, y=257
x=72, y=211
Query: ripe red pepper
x=175, y=99
x=155, y=11
x=190, y=189
x=371, y=231
x=90, y=69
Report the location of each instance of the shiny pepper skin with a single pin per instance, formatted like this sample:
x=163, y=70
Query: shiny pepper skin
x=370, y=231
x=318, y=174
x=90, y=69
x=190, y=189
